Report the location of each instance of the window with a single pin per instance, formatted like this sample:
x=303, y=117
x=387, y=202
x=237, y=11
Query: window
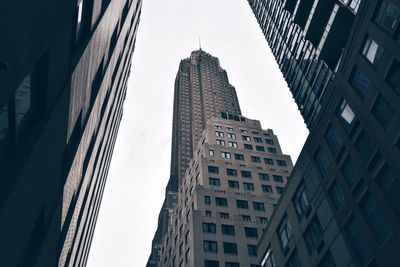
x=313, y=235
x=266, y=188
x=208, y=213
x=268, y=161
x=345, y=114
x=214, y=182
x=247, y=146
x=209, y=228
x=277, y=178
x=222, y=202
x=365, y=146
x=233, y=184
x=389, y=182
x=239, y=157
x=327, y=260
x=258, y=206
x=208, y=263
x=281, y=163
x=230, y=248
x=300, y=200
x=210, y=246
x=207, y=200
x=213, y=169
x=263, y=176
x=393, y=77
x=388, y=17
x=229, y=129
x=255, y=159
x=360, y=82
x=232, y=264
x=231, y=136
x=284, y=232
x=187, y=237
x=242, y=204
x=375, y=217
x=218, y=127
x=251, y=232
x=279, y=189
x=260, y=148
x=231, y=172
x=248, y=186
x=382, y=111
x=321, y=161
x=219, y=134
x=79, y=20
x=271, y=150
x=350, y=172
x=336, y=194
x=227, y=229
x=268, y=259
x=225, y=155
x=294, y=260
x=252, y=250
x=372, y=51
x=358, y=241
x=220, y=142
x=263, y=219
x=333, y=140
x=232, y=144
x=257, y=139
x=269, y=141
x=243, y=130
x=246, y=138
x=211, y=153
x=187, y=256
x=246, y=218
x=224, y=215
x=245, y=174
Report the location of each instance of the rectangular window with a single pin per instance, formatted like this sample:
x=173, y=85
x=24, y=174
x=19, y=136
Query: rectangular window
x=345, y=114
x=207, y=200
x=222, y=202
x=219, y=134
x=246, y=218
x=393, y=76
x=246, y=138
x=259, y=206
x=252, y=250
x=269, y=141
x=239, y=157
x=230, y=248
x=268, y=161
x=247, y=146
x=225, y=155
x=313, y=235
x=233, y=184
x=214, y=182
x=358, y=241
x=388, y=17
x=350, y=172
x=213, y=169
x=248, y=186
x=232, y=144
x=257, y=139
x=336, y=194
x=245, y=174
x=224, y=215
x=365, y=146
x=211, y=153
x=272, y=150
x=321, y=161
x=231, y=136
x=260, y=148
x=389, y=182
x=22, y=101
x=251, y=232
x=372, y=51
x=279, y=189
x=227, y=229
x=263, y=176
x=220, y=142
x=266, y=188
x=333, y=139
x=231, y=172
x=209, y=263
x=262, y=219
x=382, y=111
x=268, y=259
x=210, y=246
x=209, y=228
x=376, y=218
x=277, y=178
x=281, y=163
x=294, y=260
x=300, y=200
x=360, y=82
x=242, y=204
x=285, y=233
x=255, y=159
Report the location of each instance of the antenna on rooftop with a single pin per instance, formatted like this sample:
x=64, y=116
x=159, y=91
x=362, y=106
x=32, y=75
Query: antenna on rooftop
x=200, y=43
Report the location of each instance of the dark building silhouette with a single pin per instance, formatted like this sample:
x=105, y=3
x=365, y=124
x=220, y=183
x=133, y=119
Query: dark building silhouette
x=341, y=207
x=64, y=66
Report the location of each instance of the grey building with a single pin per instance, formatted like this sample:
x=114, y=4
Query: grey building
x=341, y=207
x=202, y=91
x=227, y=195
x=64, y=66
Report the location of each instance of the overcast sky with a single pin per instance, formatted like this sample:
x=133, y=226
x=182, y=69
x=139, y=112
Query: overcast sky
x=169, y=30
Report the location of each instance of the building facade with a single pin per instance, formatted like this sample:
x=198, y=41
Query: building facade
x=341, y=207
x=202, y=91
x=63, y=74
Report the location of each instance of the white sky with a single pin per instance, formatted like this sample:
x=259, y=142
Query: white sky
x=169, y=30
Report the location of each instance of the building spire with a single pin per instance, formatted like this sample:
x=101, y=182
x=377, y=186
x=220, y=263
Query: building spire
x=199, y=43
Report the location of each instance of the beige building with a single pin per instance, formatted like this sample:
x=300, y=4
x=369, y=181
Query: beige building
x=227, y=195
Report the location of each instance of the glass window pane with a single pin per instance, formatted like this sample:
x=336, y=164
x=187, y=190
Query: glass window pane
x=23, y=99
x=388, y=17
x=350, y=172
x=3, y=123
x=382, y=111
x=345, y=113
x=360, y=82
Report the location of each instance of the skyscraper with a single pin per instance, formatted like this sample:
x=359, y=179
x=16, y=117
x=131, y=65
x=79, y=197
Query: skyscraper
x=212, y=145
x=63, y=73
x=341, y=207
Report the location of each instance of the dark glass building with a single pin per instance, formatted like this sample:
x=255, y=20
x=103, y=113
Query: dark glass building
x=64, y=67
x=341, y=207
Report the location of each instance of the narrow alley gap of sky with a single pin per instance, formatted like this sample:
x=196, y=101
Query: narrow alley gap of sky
x=169, y=30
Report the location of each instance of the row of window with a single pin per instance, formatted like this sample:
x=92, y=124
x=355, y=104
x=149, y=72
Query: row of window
x=213, y=263
x=226, y=229
x=245, y=218
x=246, y=186
x=255, y=159
x=221, y=142
x=244, y=174
x=228, y=247
x=241, y=204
